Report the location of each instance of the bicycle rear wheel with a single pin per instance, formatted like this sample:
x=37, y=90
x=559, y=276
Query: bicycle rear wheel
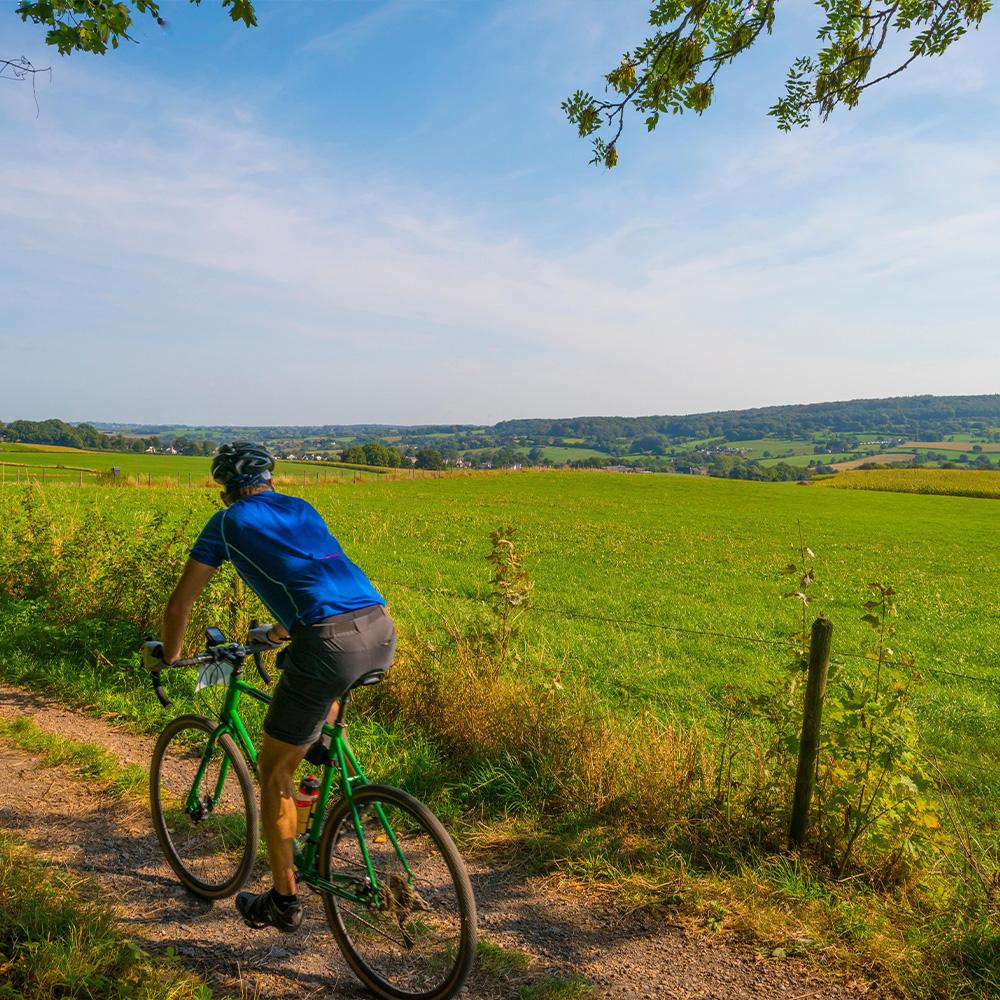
x=203, y=807
x=415, y=937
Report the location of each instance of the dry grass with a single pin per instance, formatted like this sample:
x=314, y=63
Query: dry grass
x=578, y=758
x=890, y=458
x=953, y=445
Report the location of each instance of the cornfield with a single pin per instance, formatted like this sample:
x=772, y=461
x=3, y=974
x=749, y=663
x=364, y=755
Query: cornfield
x=947, y=482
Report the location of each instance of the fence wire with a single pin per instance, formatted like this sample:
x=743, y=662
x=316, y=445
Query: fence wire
x=787, y=644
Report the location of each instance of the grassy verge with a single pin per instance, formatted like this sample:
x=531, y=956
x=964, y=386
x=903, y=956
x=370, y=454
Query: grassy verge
x=82, y=760
x=547, y=778
x=518, y=973
x=56, y=940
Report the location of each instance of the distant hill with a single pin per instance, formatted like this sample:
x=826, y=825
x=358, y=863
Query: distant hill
x=929, y=418
x=766, y=442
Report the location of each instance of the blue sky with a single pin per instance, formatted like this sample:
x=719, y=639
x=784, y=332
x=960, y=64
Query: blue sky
x=374, y=211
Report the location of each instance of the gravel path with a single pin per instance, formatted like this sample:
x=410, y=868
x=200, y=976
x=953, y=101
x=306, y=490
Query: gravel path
x=111, y=841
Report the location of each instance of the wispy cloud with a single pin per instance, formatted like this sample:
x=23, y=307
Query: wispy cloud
x=149, y=262
x=375, y=16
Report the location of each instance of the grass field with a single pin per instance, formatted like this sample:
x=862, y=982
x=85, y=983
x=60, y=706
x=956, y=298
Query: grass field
x=660, y=593
x=101, y=461
x=801, y=461
x=692, y=553
x=886, y=458
x=554, y=453
x=65, y=464
x=756, y=447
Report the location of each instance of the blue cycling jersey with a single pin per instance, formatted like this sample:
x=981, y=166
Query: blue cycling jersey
x=282, y=548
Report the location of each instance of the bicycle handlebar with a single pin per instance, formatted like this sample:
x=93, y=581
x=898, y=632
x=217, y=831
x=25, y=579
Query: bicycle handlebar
x=230, y=651
x=258, y=661
x=158, y=689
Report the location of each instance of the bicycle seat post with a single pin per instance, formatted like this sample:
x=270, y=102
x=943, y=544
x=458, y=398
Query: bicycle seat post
x=342, y=711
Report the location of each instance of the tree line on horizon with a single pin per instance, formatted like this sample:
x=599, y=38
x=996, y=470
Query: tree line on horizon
x=656, y=443
x=86, y=436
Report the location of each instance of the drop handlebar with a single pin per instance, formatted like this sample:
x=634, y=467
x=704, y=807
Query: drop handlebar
x=232, y=652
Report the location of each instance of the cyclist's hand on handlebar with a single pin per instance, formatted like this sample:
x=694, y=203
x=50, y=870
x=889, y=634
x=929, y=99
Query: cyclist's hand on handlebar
x=263, y=634
x=152, y=655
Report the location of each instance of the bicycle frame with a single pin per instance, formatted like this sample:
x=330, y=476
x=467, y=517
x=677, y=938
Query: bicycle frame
x=306, y=852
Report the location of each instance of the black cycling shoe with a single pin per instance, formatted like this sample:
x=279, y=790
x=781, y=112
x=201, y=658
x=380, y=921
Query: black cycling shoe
x=319, y=752
x=261, y=910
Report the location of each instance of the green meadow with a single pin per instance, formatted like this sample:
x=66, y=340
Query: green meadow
x=64, y=464
x=656, y=599
x=630, y=570
x=555, y=453
x=652, y=553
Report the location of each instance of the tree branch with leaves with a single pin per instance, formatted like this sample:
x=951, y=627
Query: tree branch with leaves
x=93, y=25
x=675, y=68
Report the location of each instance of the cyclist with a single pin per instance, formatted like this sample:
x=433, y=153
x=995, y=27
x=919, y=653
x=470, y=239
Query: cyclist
x=325, y=605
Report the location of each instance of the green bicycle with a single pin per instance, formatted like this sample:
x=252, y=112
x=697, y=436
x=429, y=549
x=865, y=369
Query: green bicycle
x=395, y=890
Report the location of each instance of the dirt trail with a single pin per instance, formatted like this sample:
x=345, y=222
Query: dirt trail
x=111, y=841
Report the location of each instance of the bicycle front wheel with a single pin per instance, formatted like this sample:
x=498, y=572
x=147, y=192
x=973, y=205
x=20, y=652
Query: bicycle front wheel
x=412, y=935
x=204, y=808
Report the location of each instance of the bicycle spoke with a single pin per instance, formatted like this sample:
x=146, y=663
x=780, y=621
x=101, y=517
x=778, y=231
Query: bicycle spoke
x=414, y=936
x=371, y=926
x=213, y=847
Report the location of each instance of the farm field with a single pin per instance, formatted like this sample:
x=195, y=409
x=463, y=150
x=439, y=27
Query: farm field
x=801, y=461
x=888, y=458
x=65, y=463
x=954, y=445
x=555, y=453
x=947, y=482
x=647, y=554
x=756, y=447
x=656, y=600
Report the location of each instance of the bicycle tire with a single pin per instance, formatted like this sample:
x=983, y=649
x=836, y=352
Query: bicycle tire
x=430, y=832
x=243, y=799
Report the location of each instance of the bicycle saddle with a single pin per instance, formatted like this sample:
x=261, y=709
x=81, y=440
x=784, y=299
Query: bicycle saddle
x=372, y=677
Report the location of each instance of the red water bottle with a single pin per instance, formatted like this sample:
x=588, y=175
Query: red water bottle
x=305, y=801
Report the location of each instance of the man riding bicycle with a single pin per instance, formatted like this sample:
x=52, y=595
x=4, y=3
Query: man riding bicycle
x=323, y=603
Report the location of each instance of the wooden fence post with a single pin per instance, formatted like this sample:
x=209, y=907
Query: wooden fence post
x=812, y=714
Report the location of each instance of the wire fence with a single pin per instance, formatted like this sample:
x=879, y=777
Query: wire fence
x=21, y=473
x=792, y=646
x=789, y=644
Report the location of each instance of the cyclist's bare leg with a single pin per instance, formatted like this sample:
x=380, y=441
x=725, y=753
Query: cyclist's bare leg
x=277, y=763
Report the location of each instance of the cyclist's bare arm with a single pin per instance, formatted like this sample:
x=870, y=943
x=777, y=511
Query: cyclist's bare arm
x=189, y=587
x=193, y=581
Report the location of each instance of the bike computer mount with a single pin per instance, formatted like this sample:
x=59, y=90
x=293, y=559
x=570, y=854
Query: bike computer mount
x=214, y=637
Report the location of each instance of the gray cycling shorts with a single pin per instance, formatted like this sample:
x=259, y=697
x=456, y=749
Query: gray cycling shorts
x=322, y=661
